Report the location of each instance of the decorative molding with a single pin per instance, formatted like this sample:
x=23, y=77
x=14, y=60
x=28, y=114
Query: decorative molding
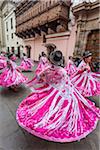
x=38, y=19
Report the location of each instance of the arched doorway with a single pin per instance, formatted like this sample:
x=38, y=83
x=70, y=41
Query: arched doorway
x=93, y=46
x=28, y=50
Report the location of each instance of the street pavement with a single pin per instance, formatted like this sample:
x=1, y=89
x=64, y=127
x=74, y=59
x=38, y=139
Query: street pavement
x=13, y=137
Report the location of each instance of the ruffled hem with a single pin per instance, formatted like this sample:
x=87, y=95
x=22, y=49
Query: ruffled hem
x=11, y=83
x=26, y=65
x=25, y=68
x=78, y=138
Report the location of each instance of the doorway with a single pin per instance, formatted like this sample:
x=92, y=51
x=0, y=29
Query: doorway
x=28, y=49
x=92, y=44
x=18, y=54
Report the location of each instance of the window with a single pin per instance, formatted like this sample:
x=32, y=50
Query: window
x=12, y=36
x=8, y=49
x=46, y=4
x=50, y=3
x=7, y=37
x=12, y=49
x=6, y=26
x=11, y=23
x=44, y=39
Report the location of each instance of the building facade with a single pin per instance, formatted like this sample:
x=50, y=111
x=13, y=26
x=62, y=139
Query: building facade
x=88, y=32
x=2, y=39
x=40, y=22
x=9, y=39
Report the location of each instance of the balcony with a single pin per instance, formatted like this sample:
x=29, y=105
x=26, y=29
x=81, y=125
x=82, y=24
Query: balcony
x=41, y=17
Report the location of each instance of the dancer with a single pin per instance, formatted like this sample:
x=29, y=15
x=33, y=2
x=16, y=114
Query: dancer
x=77, y=61
x=13, y=55
x=86, y=81
x=14, y=58
x=70, y=67
x=26, y=64
x=3, y=64
x=2, y=55
x=43, y=63
x=57, y=111
x=11, y=76
x=2, y=61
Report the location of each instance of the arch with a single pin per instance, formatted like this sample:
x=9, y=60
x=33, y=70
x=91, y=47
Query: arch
x=28, y=50
x=93, y=44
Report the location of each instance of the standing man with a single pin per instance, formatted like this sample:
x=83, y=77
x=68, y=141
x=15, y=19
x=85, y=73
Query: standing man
x=50, y=48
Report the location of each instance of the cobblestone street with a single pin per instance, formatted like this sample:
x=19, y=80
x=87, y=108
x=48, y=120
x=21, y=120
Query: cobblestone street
x=12, y=137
